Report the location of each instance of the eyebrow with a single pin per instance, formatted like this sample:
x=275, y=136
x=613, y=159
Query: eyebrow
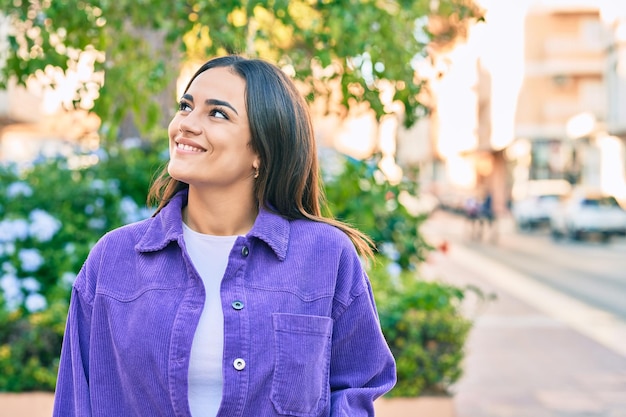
x=212, y=102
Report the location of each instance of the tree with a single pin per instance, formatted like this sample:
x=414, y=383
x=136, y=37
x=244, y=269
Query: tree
x=137, y=47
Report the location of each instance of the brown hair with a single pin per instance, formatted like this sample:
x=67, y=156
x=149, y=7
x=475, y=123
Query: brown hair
x=282, y=136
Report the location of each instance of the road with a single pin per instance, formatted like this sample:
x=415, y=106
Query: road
x=590, y=271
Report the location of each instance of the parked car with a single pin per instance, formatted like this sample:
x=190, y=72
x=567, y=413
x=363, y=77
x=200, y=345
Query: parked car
x=588, y=213
x=536, y=201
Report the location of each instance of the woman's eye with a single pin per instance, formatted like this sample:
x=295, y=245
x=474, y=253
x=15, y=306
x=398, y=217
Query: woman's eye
x=220, y=114
x=184, y=106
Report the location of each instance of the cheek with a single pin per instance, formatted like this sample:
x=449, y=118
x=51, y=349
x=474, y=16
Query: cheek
x=172, y=131
x=172, y=128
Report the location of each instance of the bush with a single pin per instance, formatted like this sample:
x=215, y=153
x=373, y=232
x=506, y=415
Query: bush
x=360, y=195
x=30, y=347
x=51, y=217
x=425, y=328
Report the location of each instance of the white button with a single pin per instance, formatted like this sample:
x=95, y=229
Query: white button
x=239, y=364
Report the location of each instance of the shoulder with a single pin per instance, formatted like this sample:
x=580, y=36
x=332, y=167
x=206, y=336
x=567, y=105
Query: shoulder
x=113, y=245
x=325, y=243
x=127, y=235
x=289, y=237
x=332, y=238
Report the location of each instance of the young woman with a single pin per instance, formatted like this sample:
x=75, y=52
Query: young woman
x=237, y=298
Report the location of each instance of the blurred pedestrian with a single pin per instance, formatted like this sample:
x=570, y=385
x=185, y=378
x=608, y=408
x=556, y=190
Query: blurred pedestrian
x=488, y=218
x=471, y=210
x=237, y=298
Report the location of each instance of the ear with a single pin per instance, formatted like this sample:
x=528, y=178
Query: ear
x=256, y=163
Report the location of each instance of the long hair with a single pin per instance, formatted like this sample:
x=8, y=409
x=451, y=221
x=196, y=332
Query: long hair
x=282, y=135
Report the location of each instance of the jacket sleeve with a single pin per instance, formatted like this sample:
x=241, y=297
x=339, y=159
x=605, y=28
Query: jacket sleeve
x=362, y=366
x=72, y=397
x=72, y=389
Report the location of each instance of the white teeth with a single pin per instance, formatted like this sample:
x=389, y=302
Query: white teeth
x=189, y=148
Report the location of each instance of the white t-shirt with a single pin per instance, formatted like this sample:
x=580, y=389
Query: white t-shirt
x=209, y=255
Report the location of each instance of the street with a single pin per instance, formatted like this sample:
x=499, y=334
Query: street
x=553, y=342
x=590, y=271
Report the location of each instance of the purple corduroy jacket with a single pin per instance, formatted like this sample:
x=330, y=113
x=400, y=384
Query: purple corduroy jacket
x=301, y=330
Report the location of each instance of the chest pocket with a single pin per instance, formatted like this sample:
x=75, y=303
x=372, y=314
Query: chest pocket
x=300, y=386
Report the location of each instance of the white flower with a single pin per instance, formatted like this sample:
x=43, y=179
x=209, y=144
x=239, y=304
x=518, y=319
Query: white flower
x=391, y=205
x=13, y=229
x=13, y=296
x=8, y=268
x=101, y=154
x=128, y=204
x=113, y=186
x=97, y=185
x=30, y=284
x=129, y=207
x=35, y=302
x=332, y=162
x=30, y=259
x=69, y=248
x=131, y=211
x=389, y=250
x=68, y=278
x=10, y=285
x=11, y=167
x=132, y=143
x=96, y=223
x=7, y=249
x=145, y=212
x=365, y=185
x=394, y=269
x=43, y=226
x=19, y=188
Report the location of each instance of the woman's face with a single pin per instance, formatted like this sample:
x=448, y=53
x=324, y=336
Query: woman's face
x=209, y=135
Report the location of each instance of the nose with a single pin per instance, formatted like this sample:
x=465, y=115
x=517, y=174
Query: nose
x=189, y=123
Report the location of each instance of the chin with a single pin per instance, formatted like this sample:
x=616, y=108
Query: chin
x=175, y=172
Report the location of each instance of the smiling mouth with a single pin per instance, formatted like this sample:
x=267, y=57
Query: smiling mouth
x=189, y=148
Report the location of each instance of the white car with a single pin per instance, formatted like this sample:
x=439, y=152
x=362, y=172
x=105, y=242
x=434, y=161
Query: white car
x=536, y=200
x=587, y=213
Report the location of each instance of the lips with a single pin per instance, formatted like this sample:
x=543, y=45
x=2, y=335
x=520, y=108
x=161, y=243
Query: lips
x=189, y=146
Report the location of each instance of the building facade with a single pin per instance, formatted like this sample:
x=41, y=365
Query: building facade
x=537, y=92
x=563, y=94
x=570, y=108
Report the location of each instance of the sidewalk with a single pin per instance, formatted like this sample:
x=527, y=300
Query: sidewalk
x=532, y=352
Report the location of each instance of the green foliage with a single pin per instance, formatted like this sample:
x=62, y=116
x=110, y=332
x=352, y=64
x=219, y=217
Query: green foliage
x=30, y=347
x=361, y=196
x=141, y=46
x=421, y=320
x=51, y=217
x=424, y=327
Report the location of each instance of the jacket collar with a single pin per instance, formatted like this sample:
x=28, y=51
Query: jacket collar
x=167, y=227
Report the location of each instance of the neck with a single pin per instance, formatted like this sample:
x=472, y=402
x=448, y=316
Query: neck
x=220, y=215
